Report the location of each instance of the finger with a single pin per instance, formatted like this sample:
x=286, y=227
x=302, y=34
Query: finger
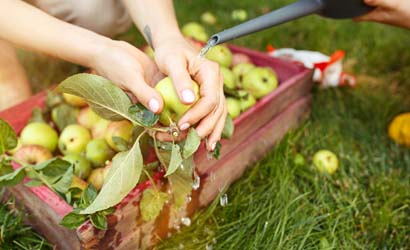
x=378, y=3
x=177, y=70
x=215, y=136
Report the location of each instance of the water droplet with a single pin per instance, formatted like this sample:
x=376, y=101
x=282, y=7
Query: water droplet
x=223, y=200
x=189, y=198
x=186, y=221
x=197, y=182
x=175, y=134
x=181, y=166
x=209, y=247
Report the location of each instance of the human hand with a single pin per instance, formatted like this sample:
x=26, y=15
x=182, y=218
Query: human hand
x=177, y=58
x=393, y=12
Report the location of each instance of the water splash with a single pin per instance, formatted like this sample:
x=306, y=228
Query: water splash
x=223, y=200
x=211, y=43
x=186, y=221
x=196, y=182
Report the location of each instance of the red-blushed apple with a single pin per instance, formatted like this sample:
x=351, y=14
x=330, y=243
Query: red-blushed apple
x=82, y=167
x=246, y=100
x=39, y=133
x=75, y=101
x=208, y=18
x=97, y=177
x=88, y=118
x=234, y=107
x=239, y=71
x=173, y=109
x=121, y=129
x=260, y=81
x=220, y=54
x=195, y=30
x=229, y=78
x=325, y=161
x=99, y=129
x=238, y=58
x=98, y=152
x=32, y=154
x=73, y=139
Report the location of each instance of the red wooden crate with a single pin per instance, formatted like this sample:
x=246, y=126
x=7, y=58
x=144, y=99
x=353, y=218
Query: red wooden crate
x=256, y=131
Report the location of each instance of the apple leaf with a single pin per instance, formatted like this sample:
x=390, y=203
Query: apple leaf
x=104, y=97
x=192, y=143
x=181, y=182
x=5, y=166
x=13, y=178
x=33, y=183
x=64, y=183
x=8, y=138
x=120, y=143
x=53, y=99
x=121, y=179
x=229, y=128
x=89, y=195
x=142, y=115
x=99, y=221
x=54, y=167
x=64, y=115
x=73, y=220
x=152, y=203
x=175, y=161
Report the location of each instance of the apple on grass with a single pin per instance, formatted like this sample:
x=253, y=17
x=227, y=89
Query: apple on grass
x=173, y=109
x=32, y=154
x=240, y=70
x=234, y=107
x=88, y=118
x=98, y=152
x=229, y=78
x=74, y=139
x=75, y=101
x=195, y=30
x=325, y=161
x=82, y=167
x=260, y=81
x=39, y=133
x=121, y=129
x=220, y=54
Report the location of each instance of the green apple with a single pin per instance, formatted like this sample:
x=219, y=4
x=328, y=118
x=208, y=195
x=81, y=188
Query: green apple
x=260, y=81
x=97, y=177
x=173, y=109
x=149, y=52
x=121, y=129
x=220, y=54
x=73, y=100
x=98, y=152
x=238, y=58
x=240, y=70
x=325, y=161
x=247, y=100
x=99, y=129
x=88, y=118
x=229, y=78
x=39, y=133
x=196, y=31
x=74, y=139
x=234, y=107
x=82, y=167
x=32, y=154
x=208, y=18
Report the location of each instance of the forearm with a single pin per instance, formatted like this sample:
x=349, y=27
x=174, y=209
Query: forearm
x=30, y=28
x=155, y=19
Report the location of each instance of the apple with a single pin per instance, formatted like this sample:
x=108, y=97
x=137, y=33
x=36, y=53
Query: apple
x=98, y=152
x=196, y=31
x=149, y=52
x=79, y=183
x=74, y=139
x=173, y=109
x=260, y=81
x=229, y=78
x=238, y=58
x=240, y=70
x=97, y=177
x=208, y=18
x=239, y=15
x=99, y=129
x=14, y=150
x=234, y=107
x=246, y=100
x=75, y=101
x=32, y=154
x=325, y=161
x=299, y=160
x=82, y=167
x=88, y=118
x=121, y=129
x=220, y=54
x=39, y=133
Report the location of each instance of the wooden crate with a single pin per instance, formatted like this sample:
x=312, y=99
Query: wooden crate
x=256, y=131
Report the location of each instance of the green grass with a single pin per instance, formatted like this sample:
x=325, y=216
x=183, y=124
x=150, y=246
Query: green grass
x=277, y=205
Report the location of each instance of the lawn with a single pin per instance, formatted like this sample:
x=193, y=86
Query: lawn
x=278, y=205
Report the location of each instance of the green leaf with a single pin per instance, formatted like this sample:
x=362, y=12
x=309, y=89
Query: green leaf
x=89, y=195
x=217, y=150
x=73, y=220
x=33, y=183
x=120, y=143
x=64, y=115
x=13, y=178
x=8, y=138
x=36, y=115
x=5, y=166
x=53, y=99
x=121, y=179
x=152, y=203
x=142, y=115
x=192, y=143
x=55, y=167
x=65, y=181
x=105, y=98
x=99, y=221
x=175, y=161
x=181, y=182
x=108, y=211
x=229, y=128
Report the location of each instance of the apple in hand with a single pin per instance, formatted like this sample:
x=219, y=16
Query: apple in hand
x=196, y=31
x=121, y=129
x=238, y=58
x=99, y=129
x=98, y=152
x=325, y=161
x=234, y=107
x=246, y=100
x=73, y=139
x=75, y=101
x=260, y=81
x=240, y=70
x=88, y=118
x=39, y=133
x=82, y=167
x=229, y=78
x=32, y=154
x=173, y=109
x=220, y=54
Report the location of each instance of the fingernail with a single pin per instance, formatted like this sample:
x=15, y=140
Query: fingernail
x=213, y=146
x=188, y=96
x=184, y=126
x=153, y=105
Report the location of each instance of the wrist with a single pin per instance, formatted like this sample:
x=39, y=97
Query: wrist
x=165, y=37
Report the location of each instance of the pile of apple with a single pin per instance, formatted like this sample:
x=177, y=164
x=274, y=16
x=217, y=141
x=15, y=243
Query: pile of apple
x=89, y=143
